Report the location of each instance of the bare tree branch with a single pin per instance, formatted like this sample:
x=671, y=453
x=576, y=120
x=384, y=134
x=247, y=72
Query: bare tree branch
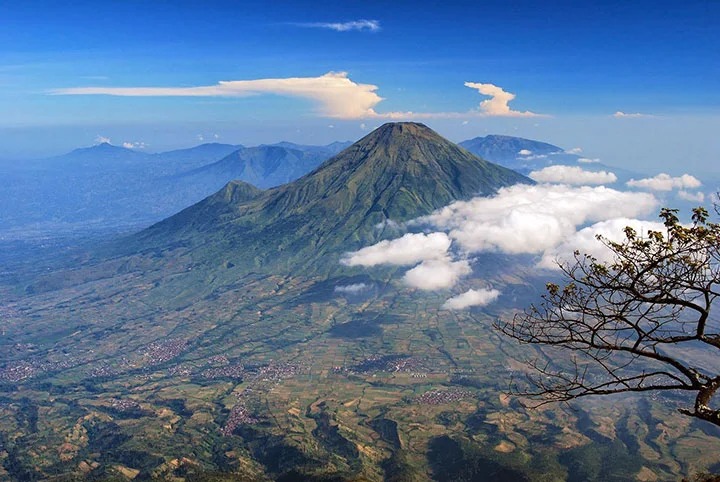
x=634, y=324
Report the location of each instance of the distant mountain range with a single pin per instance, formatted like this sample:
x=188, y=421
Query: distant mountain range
x=108, y=187
x=525, y=155
x=510, y=151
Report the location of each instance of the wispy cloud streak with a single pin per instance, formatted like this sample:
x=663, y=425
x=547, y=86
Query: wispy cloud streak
x=353, y=25
x=337, y=95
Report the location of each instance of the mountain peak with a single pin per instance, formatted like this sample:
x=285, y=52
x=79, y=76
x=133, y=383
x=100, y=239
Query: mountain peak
x=397, y=147
x=102, y=152
x=398, y=130
x=103, y=147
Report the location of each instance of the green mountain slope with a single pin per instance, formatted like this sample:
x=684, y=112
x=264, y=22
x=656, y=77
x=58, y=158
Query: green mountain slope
x=396, y=173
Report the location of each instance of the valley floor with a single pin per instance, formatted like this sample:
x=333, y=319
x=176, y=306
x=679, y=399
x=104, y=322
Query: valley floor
x=285, y=378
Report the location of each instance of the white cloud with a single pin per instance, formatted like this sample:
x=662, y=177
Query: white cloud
x=354, y=25
x=572, y=175
x=352, y=289
x=481, y=297
x=539, y=219
x=436, y=274
x=574, y=150
x=585, y=240
x=585, y=160
x=102, y=140
x=336, y=94
x=691, y=196
x=665, y=182
x=498, y=104
x=524, y=152
x=363, y=126
x=134, y=145
x=407, y=250
x=532, y=219
x=620, y=115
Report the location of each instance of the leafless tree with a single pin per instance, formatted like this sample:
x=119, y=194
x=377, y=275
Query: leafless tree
x=638, y=323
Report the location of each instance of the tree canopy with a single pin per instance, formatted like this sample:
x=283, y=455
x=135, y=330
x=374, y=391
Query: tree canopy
x=640, y=322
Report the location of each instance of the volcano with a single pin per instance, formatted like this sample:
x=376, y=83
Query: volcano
x=398, y=172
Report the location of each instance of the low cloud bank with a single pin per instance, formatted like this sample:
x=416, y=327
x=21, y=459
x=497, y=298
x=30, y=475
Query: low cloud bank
x=547, y=220
x=531, y=219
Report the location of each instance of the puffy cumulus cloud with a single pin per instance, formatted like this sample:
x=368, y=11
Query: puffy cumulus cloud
x=574, y=150
x=691, y=196
x=436, y=274
x=481, y=297
x=102, y=140
x=352, y=289
x=354, y=25
x=572, y=175
x=336, y=94
x=532, y=219
x=585, y=240
x=498, y=103
x=410, y=249
x=665, y=182
x=524, y=152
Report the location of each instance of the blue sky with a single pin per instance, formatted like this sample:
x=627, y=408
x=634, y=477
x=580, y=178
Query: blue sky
x=575, y=63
